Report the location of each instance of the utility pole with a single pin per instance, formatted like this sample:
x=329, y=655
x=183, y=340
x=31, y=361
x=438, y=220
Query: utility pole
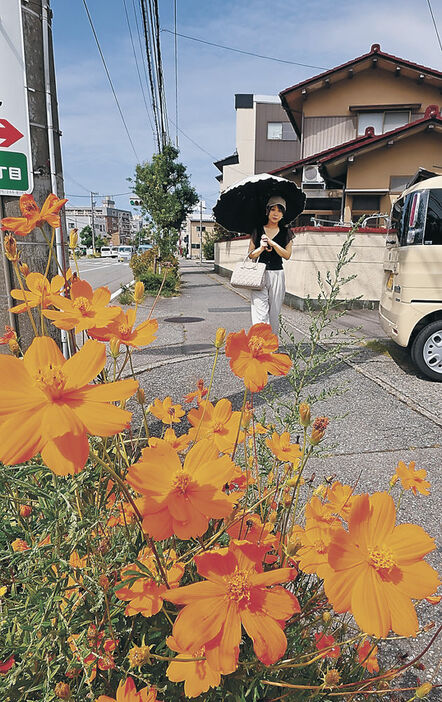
x=93, y=220
x=201, y=229
x=38, y=87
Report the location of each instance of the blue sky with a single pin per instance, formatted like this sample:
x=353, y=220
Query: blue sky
x=97, y=154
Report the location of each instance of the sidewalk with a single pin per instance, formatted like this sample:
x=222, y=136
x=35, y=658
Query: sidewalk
x=383, y=412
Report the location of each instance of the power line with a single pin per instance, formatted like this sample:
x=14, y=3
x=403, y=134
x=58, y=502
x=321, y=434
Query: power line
x=176, y=68
x=435, y=25
x=99, y=194
x=138, y=70
x=240, y=51
x=109, y=78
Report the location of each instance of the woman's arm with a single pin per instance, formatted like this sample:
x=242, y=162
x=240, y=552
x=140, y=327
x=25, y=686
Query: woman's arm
x=255, y=253
x=284, y=251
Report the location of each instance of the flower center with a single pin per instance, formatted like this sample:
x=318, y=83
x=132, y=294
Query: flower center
x=181, y=482
x=83, y=305
x=381, y=560
x=124, y=331
x=238, y=586
x=217, y=427
x=255, y=345
x=51, y=380
x=320, y=546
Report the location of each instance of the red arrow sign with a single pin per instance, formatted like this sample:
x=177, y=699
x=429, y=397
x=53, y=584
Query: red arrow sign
x=8, y=133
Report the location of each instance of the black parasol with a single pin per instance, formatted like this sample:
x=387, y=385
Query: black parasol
x=242, y=207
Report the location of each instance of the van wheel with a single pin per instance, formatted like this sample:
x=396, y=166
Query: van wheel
x=426, y=350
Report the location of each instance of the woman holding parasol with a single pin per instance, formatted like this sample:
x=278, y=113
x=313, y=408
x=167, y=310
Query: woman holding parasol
x=263, y=206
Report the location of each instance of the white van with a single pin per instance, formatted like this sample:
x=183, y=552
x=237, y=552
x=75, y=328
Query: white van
x=107, y=251
x=125, y=253
x=410, y=308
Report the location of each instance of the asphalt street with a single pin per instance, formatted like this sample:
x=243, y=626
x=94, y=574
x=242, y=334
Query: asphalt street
x=381, y=410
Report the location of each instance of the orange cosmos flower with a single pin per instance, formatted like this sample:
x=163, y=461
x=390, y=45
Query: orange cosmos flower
x=48, y=407
x=85, y=309
x=377, y=567
x=166, y=411
x=252, y=529
x=318, y=430
x=101, y=653
x=236, y=592
x=412, y=479
x=198, y=394
x=198, y=677
x=326, y=642
x=33, y=216
x=218, y=423
x=127, y=692
x=340, y=498
x=181, y=499
x=40, y=292
x=145, y=593
x=283, y=449
x=315, y=540
x=367, y=656
x=20, y=545
x=122, y=330
x=8, y=335
x=178, y=443
x=252, y=356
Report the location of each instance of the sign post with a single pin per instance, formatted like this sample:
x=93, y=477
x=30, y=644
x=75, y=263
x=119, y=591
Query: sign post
x=16, y=172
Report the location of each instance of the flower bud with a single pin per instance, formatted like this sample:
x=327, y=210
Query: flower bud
x=138, y=656
x=246, y=418
x=19, y=545
x=140, y=396
x=24, y=269
x=25, y=510
x=62, y=691
x=73, y=238
x=273, y=516
x=326, y=616
x=332, y=677
x=11, y=248
x=14, y=347
x=304, y=414
x=423, y=690
x=394, y=480
x=114, y=347
x=318, y=430
x=220, y=337
x=138, y=291
x=320, y=491
x=104, y=582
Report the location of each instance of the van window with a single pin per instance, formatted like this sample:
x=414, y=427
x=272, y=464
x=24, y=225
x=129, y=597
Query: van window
x=433, y=229
x=408, y=218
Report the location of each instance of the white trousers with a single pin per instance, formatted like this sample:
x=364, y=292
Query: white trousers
x=267, y=303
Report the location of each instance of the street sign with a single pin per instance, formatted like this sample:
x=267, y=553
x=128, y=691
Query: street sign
x=15, y=141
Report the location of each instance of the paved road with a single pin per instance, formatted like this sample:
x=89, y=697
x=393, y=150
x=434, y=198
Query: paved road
x=384, y=411
x=104, y=271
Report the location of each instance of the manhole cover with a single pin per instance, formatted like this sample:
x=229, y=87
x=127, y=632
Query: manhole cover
x=181, y=320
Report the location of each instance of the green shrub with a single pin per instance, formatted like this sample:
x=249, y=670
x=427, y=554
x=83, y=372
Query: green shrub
x=152, y=282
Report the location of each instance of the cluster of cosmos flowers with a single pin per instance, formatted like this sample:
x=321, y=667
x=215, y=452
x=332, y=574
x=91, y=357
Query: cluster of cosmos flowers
x=185, y=486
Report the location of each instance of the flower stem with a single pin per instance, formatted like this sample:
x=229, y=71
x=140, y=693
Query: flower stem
x=28, y=309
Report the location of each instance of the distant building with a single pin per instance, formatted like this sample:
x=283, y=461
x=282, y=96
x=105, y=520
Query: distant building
x=265, y=139
x=111, y=223
x=198, y=224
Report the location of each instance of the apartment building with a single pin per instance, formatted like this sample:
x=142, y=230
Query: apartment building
x=110, y=222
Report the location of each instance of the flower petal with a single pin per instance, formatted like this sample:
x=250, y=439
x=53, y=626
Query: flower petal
x=20, y=437
x=418, y=580
x=269, y=641
x=409, y=542
x=42, y=352
x=102, y=419
x=66, y=455
x=85, y=365
x=199, y=622
x=193, y=593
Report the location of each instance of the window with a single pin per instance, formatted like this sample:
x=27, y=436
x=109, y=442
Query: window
x=280, y=131
x=408, y=218
x=433, y=227
x=398, y=183
x=366, y=202
x=202, y=229
x=382, y=121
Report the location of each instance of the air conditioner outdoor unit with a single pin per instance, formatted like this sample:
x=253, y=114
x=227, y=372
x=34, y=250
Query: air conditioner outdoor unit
x=312, y=177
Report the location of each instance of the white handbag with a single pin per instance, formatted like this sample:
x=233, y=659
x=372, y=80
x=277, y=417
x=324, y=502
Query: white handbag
x=248, y=274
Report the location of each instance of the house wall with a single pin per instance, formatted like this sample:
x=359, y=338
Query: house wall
x=272, y=153
x=315, y=251
x=371, y=87
x=245, y=146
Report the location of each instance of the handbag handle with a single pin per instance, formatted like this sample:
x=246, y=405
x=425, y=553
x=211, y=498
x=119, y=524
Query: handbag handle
x=254, y=264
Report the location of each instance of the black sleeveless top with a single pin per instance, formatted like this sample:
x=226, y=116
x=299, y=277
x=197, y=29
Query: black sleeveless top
x=271, y=258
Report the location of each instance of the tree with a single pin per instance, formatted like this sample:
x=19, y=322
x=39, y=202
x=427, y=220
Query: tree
x=166, y=195
x=86, y=238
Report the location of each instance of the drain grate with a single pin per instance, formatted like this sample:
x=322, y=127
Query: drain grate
x=182, y=320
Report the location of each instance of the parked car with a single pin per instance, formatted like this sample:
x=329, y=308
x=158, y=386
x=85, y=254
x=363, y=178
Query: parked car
x=143, y=248
x=105, y=251
x=410, y=308
x=125, y=253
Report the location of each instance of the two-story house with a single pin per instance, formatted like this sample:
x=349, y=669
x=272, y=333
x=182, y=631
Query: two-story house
x=265, y=139
x=365, y=127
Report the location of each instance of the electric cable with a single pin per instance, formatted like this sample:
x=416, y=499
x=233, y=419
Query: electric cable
x=240, y=51
x=176, y=70
x=434, y=23
x=110, y=79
